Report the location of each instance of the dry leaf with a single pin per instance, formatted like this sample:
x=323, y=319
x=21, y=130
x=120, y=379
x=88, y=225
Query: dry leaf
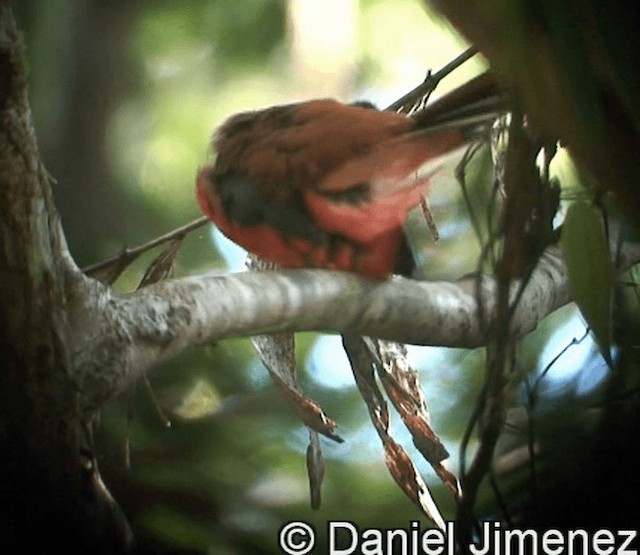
x=161, y=265
x=408, y=478
x=277, y=353
x=363, y=355
x=402, y=384
x=315, y=469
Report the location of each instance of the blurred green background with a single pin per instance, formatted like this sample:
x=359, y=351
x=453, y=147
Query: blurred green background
x=125, y=97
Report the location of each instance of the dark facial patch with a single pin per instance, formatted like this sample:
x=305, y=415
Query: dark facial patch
x=246, y=204
x=243, y=202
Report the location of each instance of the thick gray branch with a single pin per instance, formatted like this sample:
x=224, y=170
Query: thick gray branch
x=119, y=337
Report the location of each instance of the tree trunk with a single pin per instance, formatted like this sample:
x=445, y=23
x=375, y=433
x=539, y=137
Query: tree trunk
x=52, y=497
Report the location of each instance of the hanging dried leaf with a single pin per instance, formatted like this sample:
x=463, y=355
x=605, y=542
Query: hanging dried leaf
x=315, y=469
x=364, y=357
x=408, y=478
x=277, y=353
x=109, y=271
x=362, y=364
x=161, y=265
x=402, y=384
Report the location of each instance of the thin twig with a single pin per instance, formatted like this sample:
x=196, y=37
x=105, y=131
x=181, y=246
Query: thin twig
x=431, y=82
x=129, y=255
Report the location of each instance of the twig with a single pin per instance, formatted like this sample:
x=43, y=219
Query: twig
x=127, y=256
x=431, y=82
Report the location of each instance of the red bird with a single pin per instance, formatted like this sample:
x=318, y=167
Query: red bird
x=325, y=184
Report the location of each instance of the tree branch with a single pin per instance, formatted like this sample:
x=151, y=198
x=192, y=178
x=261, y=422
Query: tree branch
x=121, y=336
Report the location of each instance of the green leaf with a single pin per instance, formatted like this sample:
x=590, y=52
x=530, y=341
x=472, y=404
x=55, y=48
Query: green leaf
x=588, y=260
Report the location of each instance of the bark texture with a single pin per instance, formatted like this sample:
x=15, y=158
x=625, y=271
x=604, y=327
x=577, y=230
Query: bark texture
x=52, y=496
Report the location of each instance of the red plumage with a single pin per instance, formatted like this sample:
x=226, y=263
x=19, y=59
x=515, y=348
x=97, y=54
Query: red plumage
x=323, y=184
